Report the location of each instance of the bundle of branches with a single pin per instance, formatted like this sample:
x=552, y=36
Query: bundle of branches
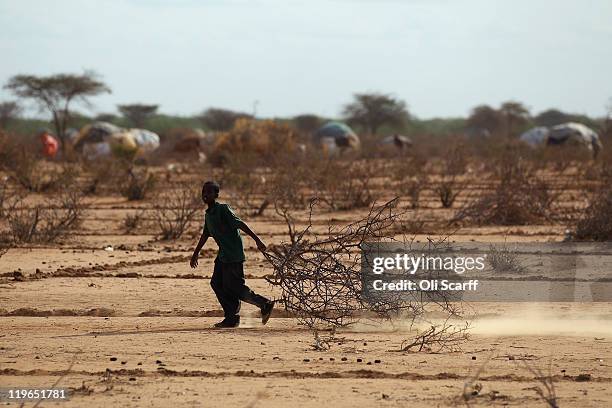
x=321, y=275
x=519, y=197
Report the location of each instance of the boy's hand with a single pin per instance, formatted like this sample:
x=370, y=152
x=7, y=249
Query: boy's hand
x=194, y=260
x=261, y=246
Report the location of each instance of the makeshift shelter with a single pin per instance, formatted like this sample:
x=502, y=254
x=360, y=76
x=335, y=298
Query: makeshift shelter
x=575, y=133
x=536, y=136
x=335, y=135
x=102, y=139
x=399, y=141
x=93, y=139
x=146, y=140
x=570, y=133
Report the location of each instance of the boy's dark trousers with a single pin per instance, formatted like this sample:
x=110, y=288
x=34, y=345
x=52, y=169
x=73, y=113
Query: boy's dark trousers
x=228, y=283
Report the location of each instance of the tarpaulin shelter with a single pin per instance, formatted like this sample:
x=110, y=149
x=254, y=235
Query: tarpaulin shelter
x=570, y=133
x=336, y=135
x=146, y=140
x=536, y=136
x=103, y=138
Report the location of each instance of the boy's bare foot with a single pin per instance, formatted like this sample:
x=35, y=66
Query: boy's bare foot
x=228, y=324
x=266, y=311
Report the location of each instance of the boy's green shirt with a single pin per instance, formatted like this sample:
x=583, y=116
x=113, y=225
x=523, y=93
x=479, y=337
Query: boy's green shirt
x=221, y=223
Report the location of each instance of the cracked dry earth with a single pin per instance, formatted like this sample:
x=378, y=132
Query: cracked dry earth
x=132, y=327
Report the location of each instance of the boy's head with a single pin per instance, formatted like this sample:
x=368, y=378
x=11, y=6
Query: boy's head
x=210, y=192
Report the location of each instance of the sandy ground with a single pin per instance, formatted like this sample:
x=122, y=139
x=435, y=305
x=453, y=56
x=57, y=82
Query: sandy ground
x=132, y=327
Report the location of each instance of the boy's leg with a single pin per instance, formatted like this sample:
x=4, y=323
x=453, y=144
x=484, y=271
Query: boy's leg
x=228, y=301
x=233, y=281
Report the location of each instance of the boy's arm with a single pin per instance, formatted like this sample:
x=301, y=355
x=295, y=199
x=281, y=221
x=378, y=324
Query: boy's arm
x=243, y=227
x=196, y=253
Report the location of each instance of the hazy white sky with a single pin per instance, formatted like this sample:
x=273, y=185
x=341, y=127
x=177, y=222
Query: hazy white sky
x=442, y=57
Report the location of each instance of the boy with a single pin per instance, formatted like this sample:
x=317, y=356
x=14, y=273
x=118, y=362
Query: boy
x=227, y=280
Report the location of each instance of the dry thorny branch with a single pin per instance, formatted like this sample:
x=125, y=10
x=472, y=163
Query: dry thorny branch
x=438, y=338
x=321, y=278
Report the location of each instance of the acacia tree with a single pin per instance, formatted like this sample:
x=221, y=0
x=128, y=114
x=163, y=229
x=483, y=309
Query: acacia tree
x=221, y=120
x=551, y=117
x=137, y=113
x=485, y=117
x=374, y=110
x=9, y=110
x=55, y=93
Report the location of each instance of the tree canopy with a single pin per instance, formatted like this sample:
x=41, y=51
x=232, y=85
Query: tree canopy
x=55, y=93
x=221, y=119
x=137, y=113
x=373, y=110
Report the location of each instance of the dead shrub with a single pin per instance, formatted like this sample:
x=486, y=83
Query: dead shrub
x=133, y=221
x=245, y=185
x=39, y=176
x=596, y=221
x=448, y=190
x=410, y=178
x=138, y=184
x=519, y=197
x=102, y=173
x=342, y=185
x=504, y=260
x=179, y=207
x=44, y=223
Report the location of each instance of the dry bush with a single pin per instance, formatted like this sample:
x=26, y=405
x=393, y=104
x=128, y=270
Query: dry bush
x=410, y=177
x=448, y=190
x=342, y=185
x=104, y=173
x=137, y=184
x=37, y=175
x=245, y=185
x=265, y=139
x=596, y=221
x=179, y=207
x=519, y=197
x=44, y=223
x=454, y=159
x=133, y=221
x=504, y=260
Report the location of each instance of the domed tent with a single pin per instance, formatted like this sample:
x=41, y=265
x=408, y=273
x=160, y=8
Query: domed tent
x=93, y=139
x=146, y=140
x=336, y=135
x=575, y=133
x=102, y=139
x=536, y=136
x=570, y=133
